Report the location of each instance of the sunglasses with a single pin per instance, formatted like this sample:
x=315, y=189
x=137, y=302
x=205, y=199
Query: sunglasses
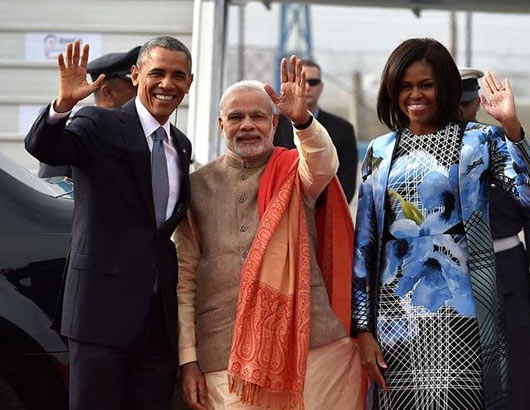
x=313, y=81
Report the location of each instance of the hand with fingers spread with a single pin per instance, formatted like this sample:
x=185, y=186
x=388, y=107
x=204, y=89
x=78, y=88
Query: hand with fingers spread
x=193, y=386
x=498, y=101
x=292, y=101
x=372, y=358
x=73, y=85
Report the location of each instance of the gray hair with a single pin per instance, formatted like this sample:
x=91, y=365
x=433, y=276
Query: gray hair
x=244, y=85
x=167, y=42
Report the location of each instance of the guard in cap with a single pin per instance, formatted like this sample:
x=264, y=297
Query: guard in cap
x=117, y=88
x=115, y=91
x=470, y=99
x=507, y=219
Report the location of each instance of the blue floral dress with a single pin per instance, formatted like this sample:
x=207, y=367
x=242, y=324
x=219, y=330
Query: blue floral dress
x=426, y=325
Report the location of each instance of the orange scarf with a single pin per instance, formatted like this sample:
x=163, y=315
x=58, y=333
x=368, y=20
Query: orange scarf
x=271, y=335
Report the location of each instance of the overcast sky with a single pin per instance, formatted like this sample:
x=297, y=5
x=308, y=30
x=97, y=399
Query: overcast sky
x=357, y=38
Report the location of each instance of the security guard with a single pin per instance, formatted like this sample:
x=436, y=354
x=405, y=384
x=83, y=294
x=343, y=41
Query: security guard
x=507, y=219
x=115, y=91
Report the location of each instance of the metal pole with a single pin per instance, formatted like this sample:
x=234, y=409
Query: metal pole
x=219, y=43
x=241, y=44
x=453, y=33
x=469, y=38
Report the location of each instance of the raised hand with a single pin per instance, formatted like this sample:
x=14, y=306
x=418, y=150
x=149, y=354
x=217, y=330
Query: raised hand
x=73, y=85
x=498, y=101
x=292, y=99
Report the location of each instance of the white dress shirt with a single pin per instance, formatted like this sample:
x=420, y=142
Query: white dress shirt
x=149, y=126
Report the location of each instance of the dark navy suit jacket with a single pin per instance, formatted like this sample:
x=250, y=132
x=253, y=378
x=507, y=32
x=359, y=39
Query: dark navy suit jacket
x=116, y=249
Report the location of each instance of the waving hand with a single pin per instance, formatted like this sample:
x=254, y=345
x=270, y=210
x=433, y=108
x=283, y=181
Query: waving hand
x=498, y=101
x=292, y=99
x=73, y=85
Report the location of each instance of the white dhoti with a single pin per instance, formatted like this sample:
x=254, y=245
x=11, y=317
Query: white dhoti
x=333, y=381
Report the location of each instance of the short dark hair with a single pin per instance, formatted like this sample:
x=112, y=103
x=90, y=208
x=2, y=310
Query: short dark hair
x=167, y=42
x=311, y=63
x=447, y=76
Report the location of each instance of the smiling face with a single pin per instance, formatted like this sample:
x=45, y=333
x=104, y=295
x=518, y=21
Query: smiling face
x=418, y=97
x=248, y=124
x=163, y=79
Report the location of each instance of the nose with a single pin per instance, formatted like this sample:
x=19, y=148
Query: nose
x=415, y=92
x=247, y=123
x=166, y=82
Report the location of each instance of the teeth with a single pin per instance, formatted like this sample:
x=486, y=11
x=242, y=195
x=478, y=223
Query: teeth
x=164, y=97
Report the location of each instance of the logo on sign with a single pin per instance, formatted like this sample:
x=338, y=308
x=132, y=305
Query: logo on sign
x=54, y=44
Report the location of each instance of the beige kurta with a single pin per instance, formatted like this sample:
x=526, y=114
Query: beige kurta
x=214, y=240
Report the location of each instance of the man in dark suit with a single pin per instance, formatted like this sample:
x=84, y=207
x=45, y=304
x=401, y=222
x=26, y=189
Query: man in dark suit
x=132, y=188
x=341, y=131
x=116, y=89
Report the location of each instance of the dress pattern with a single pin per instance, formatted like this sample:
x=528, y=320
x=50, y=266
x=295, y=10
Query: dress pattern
x=426, y=313
x=397, y=224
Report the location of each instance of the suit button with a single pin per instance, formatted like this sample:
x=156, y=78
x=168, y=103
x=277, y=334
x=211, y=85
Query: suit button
x=242, y=199
x=243, y=177
x=243, y=228
x=244, y=254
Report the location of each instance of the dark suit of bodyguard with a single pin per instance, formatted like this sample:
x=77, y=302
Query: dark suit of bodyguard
x=341, y=131
x=120, y=294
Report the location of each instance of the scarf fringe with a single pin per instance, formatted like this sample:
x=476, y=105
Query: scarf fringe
x=254, y=395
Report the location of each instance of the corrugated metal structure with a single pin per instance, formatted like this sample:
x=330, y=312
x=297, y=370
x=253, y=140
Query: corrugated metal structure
x=28, y=80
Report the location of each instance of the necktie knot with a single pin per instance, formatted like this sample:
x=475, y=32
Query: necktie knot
x=159, y=134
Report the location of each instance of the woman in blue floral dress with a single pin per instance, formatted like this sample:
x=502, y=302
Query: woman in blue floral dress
x=426, y=307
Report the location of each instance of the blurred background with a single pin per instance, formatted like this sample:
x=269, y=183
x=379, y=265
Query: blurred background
x=231, y=40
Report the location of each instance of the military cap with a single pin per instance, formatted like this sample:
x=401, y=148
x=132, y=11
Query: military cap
x=470, y=84
x=113, y=64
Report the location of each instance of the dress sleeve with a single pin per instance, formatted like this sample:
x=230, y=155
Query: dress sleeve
x=365, y=248
x=510, y=164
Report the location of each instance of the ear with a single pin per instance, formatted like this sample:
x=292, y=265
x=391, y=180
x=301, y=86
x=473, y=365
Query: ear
x=106, y=92
x=221, y=124
x=275, y=119
x=190, y=81
x=134, y=75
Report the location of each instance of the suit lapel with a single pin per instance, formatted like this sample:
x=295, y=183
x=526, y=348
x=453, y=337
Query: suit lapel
x=135, y=142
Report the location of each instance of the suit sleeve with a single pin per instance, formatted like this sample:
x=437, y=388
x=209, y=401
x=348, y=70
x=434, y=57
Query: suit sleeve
x=57, y=144
x=348, y=158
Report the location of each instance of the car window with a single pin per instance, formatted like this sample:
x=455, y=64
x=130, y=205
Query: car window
x=56, y=186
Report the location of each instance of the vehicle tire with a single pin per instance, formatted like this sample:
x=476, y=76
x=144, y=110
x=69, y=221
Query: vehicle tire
x=9, y=398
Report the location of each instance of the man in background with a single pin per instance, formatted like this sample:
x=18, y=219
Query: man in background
x=341, y=131
x=116, y=90
x=507, y=219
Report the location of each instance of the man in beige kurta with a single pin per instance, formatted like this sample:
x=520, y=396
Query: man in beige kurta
x=215, y=239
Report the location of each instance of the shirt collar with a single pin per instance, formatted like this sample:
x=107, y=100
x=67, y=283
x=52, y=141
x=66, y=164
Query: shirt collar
x=235, y=161
x=149, y=123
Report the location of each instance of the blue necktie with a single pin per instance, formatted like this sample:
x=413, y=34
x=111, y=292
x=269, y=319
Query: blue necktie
x=159, y=177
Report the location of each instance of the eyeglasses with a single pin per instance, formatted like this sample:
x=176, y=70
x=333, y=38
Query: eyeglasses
x=313, y=82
